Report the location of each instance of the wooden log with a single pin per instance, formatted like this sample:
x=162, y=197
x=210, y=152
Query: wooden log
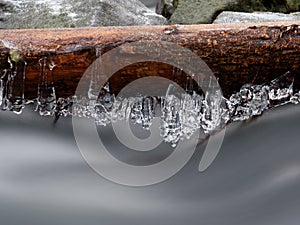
x=237, y=54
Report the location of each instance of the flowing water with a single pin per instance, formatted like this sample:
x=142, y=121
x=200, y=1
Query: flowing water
x=254, y=180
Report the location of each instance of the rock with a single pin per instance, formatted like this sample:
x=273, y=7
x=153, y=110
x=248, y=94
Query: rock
x=239, y=17
x=151, y=4
x=196, y=11
x=75, y=13
x=165, y=8
x=203, y=11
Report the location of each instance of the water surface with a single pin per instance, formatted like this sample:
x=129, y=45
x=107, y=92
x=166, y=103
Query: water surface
x=254, y=180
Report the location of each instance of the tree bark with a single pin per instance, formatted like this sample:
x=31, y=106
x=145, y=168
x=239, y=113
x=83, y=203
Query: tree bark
x=237, y=54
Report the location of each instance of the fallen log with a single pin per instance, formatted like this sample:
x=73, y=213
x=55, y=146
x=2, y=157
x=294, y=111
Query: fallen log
x=237, y=54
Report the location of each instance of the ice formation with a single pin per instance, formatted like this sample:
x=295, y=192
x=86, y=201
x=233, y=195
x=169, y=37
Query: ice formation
x=181, y=115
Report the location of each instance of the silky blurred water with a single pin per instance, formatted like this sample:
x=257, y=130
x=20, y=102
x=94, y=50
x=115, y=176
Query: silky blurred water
x=254, y=180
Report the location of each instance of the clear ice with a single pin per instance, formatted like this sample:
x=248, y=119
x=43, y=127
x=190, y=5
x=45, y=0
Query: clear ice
x=46, y=103
x=181, y=114
x=12, y=82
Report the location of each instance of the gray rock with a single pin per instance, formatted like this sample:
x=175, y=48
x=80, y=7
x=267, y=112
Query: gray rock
x=151, y=4
x=239, y=17
x=75, y=13
x=165, y=8
x=204, y=11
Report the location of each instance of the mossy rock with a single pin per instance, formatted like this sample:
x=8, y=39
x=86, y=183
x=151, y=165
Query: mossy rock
x=255, y=17
x=203, y=11
x=294, y=5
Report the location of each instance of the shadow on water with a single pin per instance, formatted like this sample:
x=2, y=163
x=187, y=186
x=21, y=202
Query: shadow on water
x=254, y=180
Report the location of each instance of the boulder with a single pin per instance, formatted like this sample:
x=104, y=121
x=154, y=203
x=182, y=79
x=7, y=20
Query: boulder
x=203, y=11
x=75, y=13
x=151, y=4
x=165, y=8
x=240, y=17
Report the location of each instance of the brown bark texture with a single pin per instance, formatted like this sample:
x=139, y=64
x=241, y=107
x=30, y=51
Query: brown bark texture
x=237, y=54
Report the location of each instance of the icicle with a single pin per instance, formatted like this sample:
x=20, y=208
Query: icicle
x=142, y=111
x=12, y=84
x=181, y=114
x=3, y=89
x=94, y=79
x=189, y=114
x=136, y=114
x=148, y=112
x=46, y=97
x=17, y=86
x=211, y=117
x=170, y=119
x=103, y=106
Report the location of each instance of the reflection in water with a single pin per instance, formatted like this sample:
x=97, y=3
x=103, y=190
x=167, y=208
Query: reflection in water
x=254, y=180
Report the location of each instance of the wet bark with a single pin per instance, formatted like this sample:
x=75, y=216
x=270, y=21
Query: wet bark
x=237, y=54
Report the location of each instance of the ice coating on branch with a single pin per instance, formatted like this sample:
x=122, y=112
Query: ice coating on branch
x=181, y=114
x=250, y=101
